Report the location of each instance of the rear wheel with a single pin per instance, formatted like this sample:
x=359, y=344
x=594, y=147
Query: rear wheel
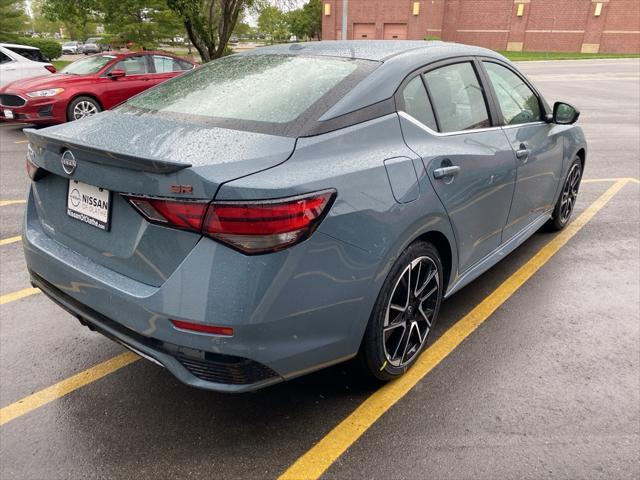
x=568, y=197
x=82, y=107
x=404, y=314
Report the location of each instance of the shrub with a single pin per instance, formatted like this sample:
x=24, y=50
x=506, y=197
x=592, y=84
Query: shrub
x=49, y=48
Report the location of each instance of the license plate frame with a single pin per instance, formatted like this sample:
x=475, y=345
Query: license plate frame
x=78, y=209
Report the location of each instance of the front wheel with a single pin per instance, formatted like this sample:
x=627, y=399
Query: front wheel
x=82, y=107
x=404, y=314
x=568, y=197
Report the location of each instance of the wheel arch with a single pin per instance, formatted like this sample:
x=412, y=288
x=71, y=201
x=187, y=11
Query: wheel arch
x=582, y=154
x=78, y=95
x=441, y=242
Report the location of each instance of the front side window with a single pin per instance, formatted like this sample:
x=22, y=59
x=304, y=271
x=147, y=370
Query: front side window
x=259, y=88
x=517, y=101
x=416, y=103
x=458, y=99
x=132, y=65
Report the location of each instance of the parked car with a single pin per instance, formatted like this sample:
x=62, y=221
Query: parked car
x=87, y=86
x=22, y=61
x=291, y=207
x=71, y=48
x=94, y=45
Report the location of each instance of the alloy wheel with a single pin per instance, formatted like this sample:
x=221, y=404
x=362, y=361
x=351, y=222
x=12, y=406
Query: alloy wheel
x=84, y=109
x=570, y=192
x=410, y=312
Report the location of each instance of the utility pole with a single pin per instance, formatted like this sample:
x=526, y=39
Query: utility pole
x=344, y=19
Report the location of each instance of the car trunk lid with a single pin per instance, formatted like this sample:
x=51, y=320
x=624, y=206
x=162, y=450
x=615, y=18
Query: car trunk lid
x=141, y=156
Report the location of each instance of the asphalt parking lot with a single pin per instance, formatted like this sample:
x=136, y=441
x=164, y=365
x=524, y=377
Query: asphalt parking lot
x=535, y=372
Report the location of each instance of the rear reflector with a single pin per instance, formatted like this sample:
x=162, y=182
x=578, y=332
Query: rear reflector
x=249, y=226
x=51, y=68
x=202, y=328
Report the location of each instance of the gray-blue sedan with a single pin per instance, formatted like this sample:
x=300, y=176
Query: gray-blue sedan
x=278, y=211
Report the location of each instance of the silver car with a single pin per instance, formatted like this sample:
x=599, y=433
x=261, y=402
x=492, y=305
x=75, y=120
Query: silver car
x=278, y=211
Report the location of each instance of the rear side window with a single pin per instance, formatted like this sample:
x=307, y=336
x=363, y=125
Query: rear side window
x=458, y=99
x=31, y=54
x=517, y=101
x=416, y=103
x=132, y=65
x=164, y=64
x=4, y=58
x=261, y=88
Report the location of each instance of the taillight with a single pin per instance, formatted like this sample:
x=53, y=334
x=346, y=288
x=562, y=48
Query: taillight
x=174, y=213
x=249, y=226
x=34, y=171
x=202, y=328
x=51, y=68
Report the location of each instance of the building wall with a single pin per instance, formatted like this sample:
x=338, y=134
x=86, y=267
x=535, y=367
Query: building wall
x=529, y=25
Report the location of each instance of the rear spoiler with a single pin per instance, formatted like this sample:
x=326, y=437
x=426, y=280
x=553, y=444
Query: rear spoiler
x=94, y=154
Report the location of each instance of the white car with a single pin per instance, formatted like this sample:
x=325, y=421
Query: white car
x=71, y=48
x=22, y=61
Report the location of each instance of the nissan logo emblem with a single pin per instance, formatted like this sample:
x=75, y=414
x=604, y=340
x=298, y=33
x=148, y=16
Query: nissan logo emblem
x=68, y=162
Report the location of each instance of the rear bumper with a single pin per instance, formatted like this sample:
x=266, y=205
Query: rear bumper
x=292, y=312
x=194, y=367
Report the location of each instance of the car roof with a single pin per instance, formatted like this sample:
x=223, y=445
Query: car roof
x=376, y=50
x=16, y=45
x=398, y=59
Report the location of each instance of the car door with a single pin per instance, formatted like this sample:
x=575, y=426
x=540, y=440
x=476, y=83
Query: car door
x=7, y=68
x=447, y=120
x=136, y=79
x=538, y=152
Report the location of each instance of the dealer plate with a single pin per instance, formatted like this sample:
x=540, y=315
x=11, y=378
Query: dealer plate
x=89, y=204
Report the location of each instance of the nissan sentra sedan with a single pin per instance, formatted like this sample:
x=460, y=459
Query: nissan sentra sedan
x=296, y=206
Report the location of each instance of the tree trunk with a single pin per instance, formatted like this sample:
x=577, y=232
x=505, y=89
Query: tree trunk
x=198, y=42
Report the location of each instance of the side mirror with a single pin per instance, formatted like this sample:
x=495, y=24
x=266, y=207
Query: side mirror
x=117, y=73
x=565, y=114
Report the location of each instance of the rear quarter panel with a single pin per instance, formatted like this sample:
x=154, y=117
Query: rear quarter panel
x=365, y=214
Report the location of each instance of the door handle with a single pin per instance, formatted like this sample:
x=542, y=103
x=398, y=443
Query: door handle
x=523, y=152
x=443, y=172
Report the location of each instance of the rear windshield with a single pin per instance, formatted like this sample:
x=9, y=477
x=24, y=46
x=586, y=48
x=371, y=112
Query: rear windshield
x=262, y=89
x=30, y=53
x=87, y=66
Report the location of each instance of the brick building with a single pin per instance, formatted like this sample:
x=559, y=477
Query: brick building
x=530, y=25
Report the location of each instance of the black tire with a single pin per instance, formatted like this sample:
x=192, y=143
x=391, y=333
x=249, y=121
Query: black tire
x=375, y=356
x=91, y=104
x=568, y=196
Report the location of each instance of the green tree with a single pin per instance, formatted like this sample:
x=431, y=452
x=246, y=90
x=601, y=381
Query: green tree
x=273, y=23
x=77, y=16
x=12, y=19
x=143, y=22
x=39, y=22
x=306, y=22
x=209, y=23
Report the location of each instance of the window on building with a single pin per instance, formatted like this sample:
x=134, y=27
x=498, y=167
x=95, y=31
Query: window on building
x=517, y=101
x=416, y=103
x=458, y=99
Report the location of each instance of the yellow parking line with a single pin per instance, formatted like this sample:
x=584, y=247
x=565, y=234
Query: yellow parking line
x=597, y=180
x=22, y=141
x=13, y=296
x=5, y=203
x=320, y=457
x=66, y=386
x=7, y=241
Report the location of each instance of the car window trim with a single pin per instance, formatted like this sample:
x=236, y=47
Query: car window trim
x=491, y=90
x=480, y=74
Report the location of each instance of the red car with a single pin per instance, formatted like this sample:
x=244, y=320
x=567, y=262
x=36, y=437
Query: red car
x=87, y=86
